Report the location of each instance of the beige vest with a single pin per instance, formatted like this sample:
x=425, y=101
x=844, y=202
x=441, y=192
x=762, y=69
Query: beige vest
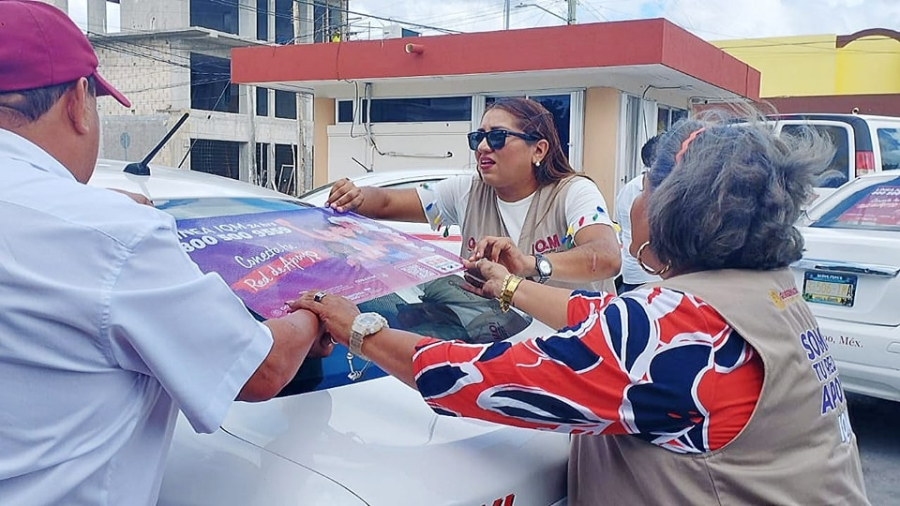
x=542, y=232
x=796, y=449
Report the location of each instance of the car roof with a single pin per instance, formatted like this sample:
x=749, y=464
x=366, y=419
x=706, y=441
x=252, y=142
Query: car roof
x=387, y=178
x=176, y=183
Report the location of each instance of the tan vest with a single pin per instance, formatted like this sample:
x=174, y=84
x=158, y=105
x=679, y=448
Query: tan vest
x=542, y=232
x=796, y=449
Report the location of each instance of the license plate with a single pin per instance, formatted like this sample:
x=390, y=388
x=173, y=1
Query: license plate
x=835, y=289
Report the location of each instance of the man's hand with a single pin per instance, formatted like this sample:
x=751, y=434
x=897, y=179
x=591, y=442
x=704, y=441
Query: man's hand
x=137, y=197
x=335, y=312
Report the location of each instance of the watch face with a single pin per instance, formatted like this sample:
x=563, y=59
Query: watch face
x=544, y=267
x=368, y=319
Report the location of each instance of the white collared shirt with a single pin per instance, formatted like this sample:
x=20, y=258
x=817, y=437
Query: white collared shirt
x=632, y=273
x=107, y=328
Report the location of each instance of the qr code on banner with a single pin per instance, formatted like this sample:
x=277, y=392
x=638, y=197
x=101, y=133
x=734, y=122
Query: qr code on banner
x=416, y=271
x=440, y=263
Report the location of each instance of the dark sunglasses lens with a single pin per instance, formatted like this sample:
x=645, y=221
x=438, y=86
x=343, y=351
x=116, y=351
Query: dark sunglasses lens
x=475, y=140
x=496, y=139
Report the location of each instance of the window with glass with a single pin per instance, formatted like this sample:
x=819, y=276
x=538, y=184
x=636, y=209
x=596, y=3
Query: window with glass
x=262, y=101
x=222, y=158
x=889, y=145
x=262, y=19
x=837, y=172
x=560, y=106
x=875, y=206
x=221, y=15
x=211, y=88
x=407, y=110
x=285, y=104
x=284, y=21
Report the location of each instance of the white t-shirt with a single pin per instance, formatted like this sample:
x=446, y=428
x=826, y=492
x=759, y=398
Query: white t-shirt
x=445, y=204
x=107, y=329
x=632, y=273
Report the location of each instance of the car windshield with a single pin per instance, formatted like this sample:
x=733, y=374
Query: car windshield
x=213, y=232
x=874, y=207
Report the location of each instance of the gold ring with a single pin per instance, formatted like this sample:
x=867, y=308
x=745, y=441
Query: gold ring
x=319, y=296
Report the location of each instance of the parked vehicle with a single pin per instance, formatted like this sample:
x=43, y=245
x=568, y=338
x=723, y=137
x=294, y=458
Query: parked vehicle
x=849, y=277
x=864, y=144
x=397, y=180
x=331, y=439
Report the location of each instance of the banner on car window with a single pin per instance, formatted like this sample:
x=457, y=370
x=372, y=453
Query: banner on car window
x=268, y=258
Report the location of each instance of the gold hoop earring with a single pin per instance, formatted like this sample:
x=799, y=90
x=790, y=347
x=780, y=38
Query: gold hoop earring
x=647, y=268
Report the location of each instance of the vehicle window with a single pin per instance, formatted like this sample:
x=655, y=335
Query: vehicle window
x=838, y=170
x=889, y=144
x=875, y=207
x=439, y=308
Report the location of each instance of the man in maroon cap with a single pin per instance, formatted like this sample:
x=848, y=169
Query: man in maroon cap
x=107, y=328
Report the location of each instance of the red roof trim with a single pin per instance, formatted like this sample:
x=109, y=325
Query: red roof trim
x=641, y=42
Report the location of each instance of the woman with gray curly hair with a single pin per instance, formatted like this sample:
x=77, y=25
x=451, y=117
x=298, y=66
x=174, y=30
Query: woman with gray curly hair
x=712, y=386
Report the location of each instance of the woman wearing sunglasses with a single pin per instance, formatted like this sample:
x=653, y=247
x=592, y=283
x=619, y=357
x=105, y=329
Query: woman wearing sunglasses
x=712, y=386
x=526, y=208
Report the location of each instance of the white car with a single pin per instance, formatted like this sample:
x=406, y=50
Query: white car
x=403, y=179
x=863, y=143
x=329, y=439
x=849, y=277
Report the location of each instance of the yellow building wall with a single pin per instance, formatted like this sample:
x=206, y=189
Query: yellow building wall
x=323, y=117
x=601, y=124
x=868, y=66
x=812, y=65
x=789, y=66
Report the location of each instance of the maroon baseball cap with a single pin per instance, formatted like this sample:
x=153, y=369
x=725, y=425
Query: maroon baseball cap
x=40, y=46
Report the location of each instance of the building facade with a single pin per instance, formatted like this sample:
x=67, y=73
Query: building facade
x=408, y=102
x=859, y=72
x=172, y=57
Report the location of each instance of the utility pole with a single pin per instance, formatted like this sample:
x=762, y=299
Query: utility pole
x=506, y=14
x=570, y=20
x=300, y=152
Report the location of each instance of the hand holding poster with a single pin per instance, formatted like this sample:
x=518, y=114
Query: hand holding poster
x=268, y=258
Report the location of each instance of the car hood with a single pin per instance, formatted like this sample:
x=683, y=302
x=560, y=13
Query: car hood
x=380, y=440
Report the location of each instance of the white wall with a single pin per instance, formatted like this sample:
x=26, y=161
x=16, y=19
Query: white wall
x=405, y=146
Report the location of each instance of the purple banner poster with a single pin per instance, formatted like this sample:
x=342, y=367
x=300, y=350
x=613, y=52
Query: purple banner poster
x=268, y=258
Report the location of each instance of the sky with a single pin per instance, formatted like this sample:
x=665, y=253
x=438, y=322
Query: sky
x=708, y=19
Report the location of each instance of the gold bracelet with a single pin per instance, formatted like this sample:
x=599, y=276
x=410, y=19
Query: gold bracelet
x=510, y=284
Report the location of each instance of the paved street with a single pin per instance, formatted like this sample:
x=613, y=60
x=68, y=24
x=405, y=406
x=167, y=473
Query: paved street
x=876, y=424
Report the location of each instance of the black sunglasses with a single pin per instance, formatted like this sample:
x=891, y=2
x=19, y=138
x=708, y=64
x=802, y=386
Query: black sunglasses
x=496, y=139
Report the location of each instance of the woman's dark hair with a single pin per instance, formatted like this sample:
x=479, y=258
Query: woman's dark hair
x=532, y=118
x=29, y=105
x=725, y=193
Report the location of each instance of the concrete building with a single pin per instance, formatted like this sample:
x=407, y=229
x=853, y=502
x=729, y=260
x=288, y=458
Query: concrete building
x=172, y=57
x=408, y=102
x=826, y=73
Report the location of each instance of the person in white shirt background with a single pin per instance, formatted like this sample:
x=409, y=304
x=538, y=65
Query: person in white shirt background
x=107, y=328
x=633, y=275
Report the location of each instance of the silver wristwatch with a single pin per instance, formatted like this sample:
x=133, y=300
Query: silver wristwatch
x=364, y=325
x=543, y=267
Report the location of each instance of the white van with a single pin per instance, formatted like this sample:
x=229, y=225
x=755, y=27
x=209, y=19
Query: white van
x=864, y=144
